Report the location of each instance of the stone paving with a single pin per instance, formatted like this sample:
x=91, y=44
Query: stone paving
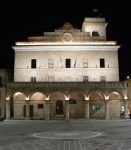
x=62, y=135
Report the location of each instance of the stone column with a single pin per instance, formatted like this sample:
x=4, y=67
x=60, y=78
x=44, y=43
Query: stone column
x=87, y=116
x=7, y=109
x=126, y=108
x=27, y=109
x=47, y=110
x=107, y=115
x=67, y=114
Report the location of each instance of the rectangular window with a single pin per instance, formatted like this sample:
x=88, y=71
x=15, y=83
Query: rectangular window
x=40, y=106
x=102, y=63
x=85, y=63
x=68, y=63
x=102, y=78
x=33, y=63
x=51, y=78
x=33, y=79
x=50, y=63
x=85, y=78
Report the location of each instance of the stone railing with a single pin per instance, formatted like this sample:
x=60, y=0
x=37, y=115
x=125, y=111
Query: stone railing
x=120, y=84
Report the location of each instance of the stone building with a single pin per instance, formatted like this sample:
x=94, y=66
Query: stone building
x=68, y=73
x=6, y=75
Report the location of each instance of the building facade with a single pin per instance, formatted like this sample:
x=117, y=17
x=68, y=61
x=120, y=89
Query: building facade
x=68, y=73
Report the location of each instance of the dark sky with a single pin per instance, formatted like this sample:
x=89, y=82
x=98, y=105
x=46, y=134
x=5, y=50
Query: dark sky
x=20, y=19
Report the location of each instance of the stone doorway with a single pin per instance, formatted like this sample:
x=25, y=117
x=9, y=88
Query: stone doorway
x=59, y=107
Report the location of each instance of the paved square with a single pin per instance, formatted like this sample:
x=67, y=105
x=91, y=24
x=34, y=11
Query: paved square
x=62, y=135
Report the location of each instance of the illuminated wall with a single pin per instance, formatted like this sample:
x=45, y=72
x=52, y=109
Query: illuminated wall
x=68, y=54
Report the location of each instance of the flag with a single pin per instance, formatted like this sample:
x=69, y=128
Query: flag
x=61, y=62
x=75, y=63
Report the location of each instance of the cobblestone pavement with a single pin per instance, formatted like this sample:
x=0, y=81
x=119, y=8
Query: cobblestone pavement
x=62, y=135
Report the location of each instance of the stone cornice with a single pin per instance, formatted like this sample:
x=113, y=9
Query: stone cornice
x=66, y=48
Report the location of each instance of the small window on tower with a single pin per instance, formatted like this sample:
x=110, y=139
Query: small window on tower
x=95, y=34
x=33, y=63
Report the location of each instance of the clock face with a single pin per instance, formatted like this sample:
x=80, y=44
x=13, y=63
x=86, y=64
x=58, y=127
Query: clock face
x=67, y=37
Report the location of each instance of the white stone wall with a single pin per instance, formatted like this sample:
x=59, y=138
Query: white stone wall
x=23, y=71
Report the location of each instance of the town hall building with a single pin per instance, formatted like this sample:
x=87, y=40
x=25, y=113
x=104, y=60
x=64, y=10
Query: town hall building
x=67, y=74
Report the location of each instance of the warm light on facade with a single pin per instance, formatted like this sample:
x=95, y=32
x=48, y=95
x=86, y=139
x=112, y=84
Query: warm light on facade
x=66, y=98
x=106, y=97
x=47, y=98
x=86, y=98
x=27, y=98
x=71, y=43
x=7, y=98
x=125, y=97
x=16, y=94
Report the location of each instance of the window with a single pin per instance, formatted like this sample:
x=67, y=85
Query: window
x=33, y=63
x=68, y=63
x=85, y=63
x=102, y=63
x=95, y=34
x=40, y=106
x=102, y=78
x=85, y=78
x=50, y=63
x=33, y=79
x=50, y=78
x=72, y=101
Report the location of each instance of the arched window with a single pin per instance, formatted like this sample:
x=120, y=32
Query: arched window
x=72, y=101
x=95, y=33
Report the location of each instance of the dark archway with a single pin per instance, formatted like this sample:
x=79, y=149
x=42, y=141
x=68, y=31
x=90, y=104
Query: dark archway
x=95, y=34
x=59, y=107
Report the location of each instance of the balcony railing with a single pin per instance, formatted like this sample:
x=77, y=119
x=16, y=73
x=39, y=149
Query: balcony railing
x=120, y=84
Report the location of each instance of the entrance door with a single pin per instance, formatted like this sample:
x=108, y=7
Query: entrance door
x=31, y=111
x=59, y=107
x=24, y=111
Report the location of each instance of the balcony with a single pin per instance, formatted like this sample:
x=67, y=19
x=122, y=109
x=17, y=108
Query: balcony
x=69, y=85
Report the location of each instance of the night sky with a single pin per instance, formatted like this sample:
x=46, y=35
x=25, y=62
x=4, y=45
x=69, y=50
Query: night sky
x=20, y=19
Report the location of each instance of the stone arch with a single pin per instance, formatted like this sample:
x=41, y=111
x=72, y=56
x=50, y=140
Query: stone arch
x=116, y=104
x=96, y=104
x=37, y=105
x=18, y=104
x=96, y=95
x=37, y=96
x=19, y=96
x=57, y=104
x=114, y=95
x=78, y=95
x=57, y=95
x=76, y=104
